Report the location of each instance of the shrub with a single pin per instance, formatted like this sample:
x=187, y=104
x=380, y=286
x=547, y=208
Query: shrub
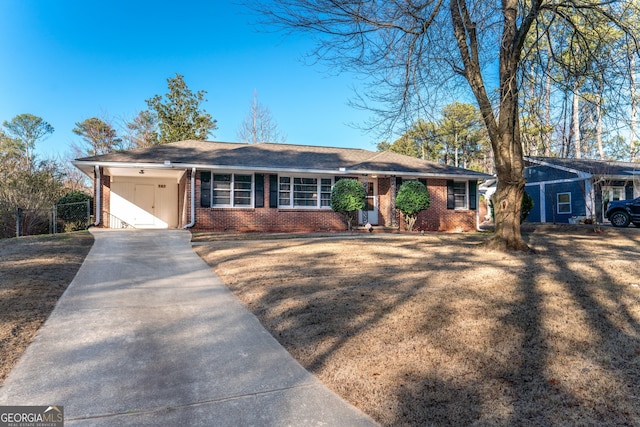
x=413, y=197
x=526, y=207
x=348, y=197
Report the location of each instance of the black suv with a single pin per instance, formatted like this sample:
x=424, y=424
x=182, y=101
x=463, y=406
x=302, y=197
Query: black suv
x=622, y=212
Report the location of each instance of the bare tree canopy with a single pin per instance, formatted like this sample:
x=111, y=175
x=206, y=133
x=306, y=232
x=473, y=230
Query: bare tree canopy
x=98, y=137
x=259, y=125
x=142, y=130
x=414, y=52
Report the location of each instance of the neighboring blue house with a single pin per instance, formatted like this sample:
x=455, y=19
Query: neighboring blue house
x=571, y=190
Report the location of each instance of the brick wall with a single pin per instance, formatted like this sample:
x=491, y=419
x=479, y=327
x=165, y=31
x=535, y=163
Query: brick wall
x=268, y=220
x=183, y=200
x=385, y=211
x=105, y=199
x=265, y=219
x=437, y=217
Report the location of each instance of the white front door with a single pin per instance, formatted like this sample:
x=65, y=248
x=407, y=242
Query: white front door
x=144, y=202
x=144, y=199
x=371, y=206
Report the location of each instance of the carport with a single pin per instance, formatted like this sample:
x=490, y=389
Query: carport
x=143, y=198
x=143, y=195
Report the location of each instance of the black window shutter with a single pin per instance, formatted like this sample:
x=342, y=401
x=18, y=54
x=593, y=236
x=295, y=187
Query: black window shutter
x=259, y=191
x=205, y=189
x=423, y=181
x=273, y=191
x=451, y=201
x=473, y=195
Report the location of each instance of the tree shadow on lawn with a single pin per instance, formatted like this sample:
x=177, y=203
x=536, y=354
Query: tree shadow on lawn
x=436, y=331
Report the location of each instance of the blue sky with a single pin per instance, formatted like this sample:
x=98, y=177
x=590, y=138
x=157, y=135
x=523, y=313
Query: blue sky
x=66, y=61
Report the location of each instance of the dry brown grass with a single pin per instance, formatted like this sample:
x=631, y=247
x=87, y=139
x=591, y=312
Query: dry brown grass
x=435, y=330
x=34, y=272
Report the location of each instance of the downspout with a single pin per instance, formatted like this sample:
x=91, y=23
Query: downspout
x=193, y=199
x=98, y=183
x=478, y=222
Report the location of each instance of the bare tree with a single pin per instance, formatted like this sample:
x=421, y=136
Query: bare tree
x=412, y=51
x=259, y=125
x=142, y=131
x=99, y=137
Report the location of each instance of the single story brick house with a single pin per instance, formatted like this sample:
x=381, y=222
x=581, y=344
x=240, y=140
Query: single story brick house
x=221, y=186
x=571, y=190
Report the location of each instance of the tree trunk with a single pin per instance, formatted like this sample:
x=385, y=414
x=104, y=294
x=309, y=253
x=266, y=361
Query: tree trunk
x=507, y=200
x=575, y=122
x=599, y=126
x=507, y=147
x=633, y=140
x=547, y=108
x=455, y=144
x=504, y=133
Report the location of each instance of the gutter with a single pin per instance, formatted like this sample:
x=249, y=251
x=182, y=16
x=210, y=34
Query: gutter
x=579, y=173
x=264, y=169
x=98, y=184
x=193, y=199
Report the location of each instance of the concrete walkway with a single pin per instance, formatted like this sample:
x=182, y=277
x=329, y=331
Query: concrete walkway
x=147, y=335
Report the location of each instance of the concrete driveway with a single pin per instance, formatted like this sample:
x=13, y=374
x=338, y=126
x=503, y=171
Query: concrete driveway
x=147, y=335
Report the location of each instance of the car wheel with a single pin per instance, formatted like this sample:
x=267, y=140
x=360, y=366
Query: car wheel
x=620, y=219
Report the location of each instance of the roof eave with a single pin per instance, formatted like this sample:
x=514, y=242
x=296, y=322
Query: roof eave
x=87, y=168
x=580, y=173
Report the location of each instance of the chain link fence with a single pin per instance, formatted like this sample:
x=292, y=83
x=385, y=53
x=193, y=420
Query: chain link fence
x=60, y=218
x=69, y=217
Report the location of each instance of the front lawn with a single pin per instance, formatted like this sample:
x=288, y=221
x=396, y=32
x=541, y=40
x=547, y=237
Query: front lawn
x=435, y=330
x=34, y=272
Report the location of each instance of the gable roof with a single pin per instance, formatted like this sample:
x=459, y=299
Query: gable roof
x=589, y=166
x=270, y=157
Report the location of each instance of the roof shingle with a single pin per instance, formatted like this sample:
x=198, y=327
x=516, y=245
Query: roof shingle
x=281, y=157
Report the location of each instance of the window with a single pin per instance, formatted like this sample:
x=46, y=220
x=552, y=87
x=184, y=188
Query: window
x=285, y=191
x=230, y=190
x=460, y=195
x=304, y=192
x=242, y=190
x=325, y=193
x=564, y=203
x=221, y=190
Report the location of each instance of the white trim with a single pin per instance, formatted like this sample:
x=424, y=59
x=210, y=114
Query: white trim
x=589, y=199
x=466, y=196
x=543, y=203
x=292, y=178
x=275, y=170
x=193, y=200
x=558, y=203
x=375, y=213
x=98, y=185
x=232, y=190
x=555, y=181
